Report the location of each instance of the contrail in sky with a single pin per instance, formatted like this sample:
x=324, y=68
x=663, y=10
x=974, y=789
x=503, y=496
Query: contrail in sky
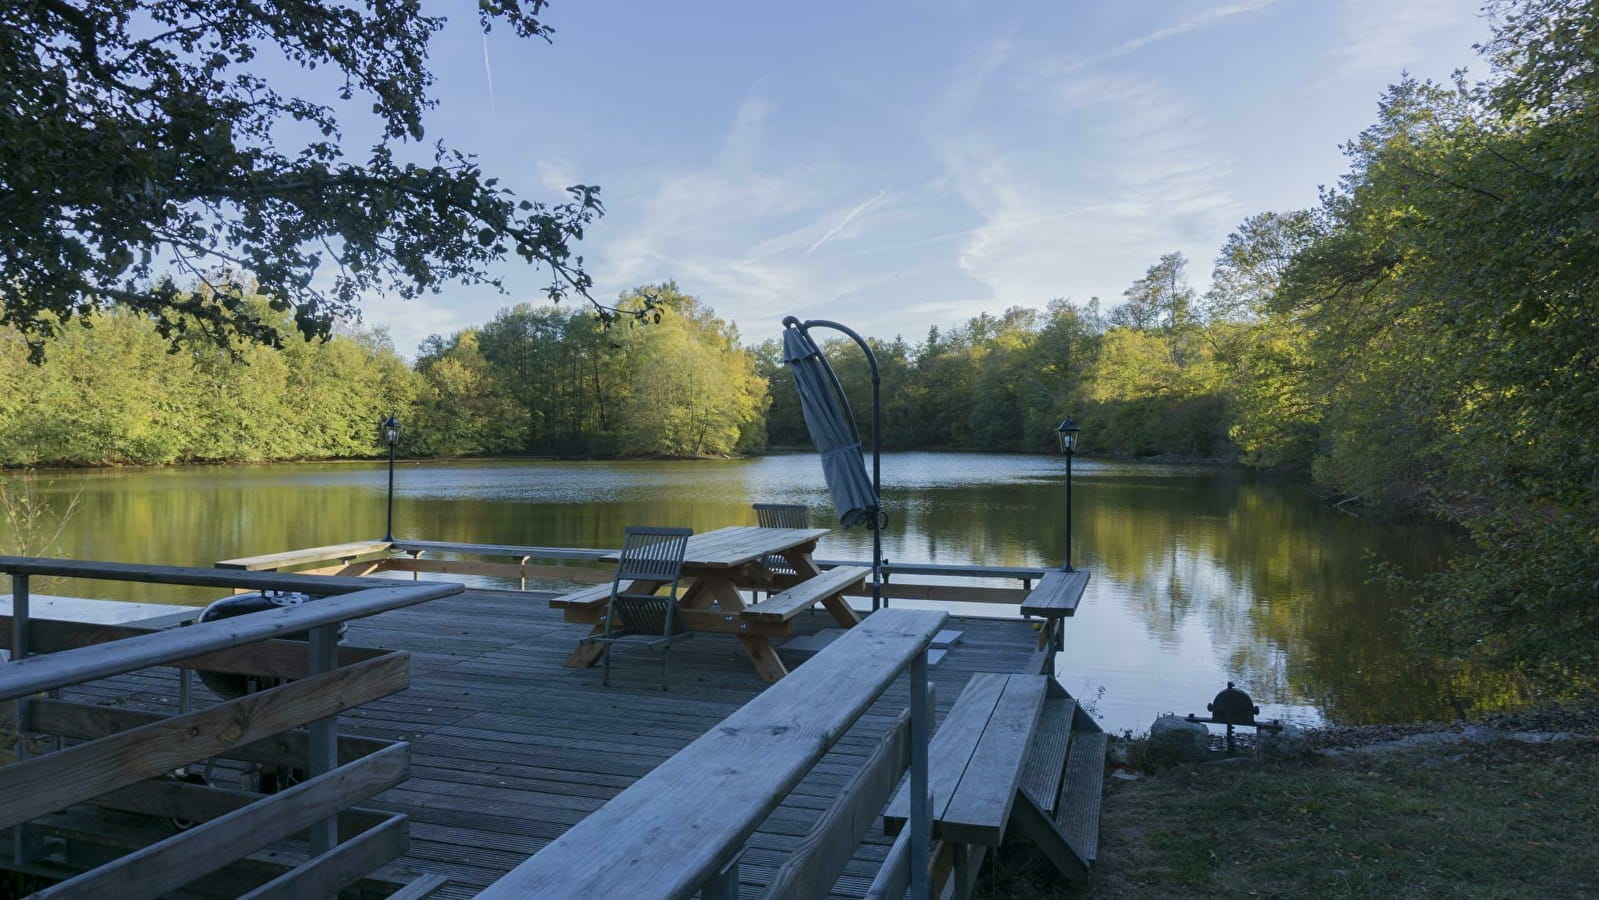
x=847, y=219
x=489, y=73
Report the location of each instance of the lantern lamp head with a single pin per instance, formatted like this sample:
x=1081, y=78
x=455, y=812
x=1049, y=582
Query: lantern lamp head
x=1067, y=432
x=389, y=430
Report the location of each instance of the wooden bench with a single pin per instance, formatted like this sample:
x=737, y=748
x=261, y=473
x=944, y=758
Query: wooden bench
x=784, y=606
x=272, y=562
x=685, y=823
x=1055, y=599
x=976, y=758
x=1057, y=595
x=590, y=598
x=1014, y=751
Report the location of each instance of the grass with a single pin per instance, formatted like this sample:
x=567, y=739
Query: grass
x=1508, y=820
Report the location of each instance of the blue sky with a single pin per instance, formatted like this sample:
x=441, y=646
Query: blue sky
x=894, y=165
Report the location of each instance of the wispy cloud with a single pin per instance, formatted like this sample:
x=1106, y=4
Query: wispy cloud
x=1051, y=223
x=1192, y=23
x=1384, y=36
x=740, y=229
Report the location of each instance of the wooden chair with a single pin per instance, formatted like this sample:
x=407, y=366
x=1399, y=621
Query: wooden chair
x=781, y=515
x=650, y=620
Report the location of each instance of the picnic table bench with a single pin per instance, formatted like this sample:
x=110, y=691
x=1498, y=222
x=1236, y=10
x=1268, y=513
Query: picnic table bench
x=721, y=563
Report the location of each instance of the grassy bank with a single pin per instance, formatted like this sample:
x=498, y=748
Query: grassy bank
x=1503, y=820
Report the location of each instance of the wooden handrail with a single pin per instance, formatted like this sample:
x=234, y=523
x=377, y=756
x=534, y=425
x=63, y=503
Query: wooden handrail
x=54, y=670
x=317, y=585
x=672, y=830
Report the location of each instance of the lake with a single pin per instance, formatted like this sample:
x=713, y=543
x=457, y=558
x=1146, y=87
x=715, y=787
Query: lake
x=1200, y=575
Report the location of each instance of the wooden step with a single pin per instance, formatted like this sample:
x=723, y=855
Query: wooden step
x=1046, y=756
x=1078, y=814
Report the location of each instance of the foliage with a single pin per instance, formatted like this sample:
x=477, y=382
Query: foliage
x=545, y=380
x=141, y=142
x=112, y=393
x=33, y=523
x=1437, y=338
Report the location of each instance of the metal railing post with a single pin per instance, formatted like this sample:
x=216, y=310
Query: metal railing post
x=724, y=884
x=324, y=650
x=921, y=824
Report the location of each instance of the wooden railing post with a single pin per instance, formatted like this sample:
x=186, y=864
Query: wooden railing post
x=324, y=650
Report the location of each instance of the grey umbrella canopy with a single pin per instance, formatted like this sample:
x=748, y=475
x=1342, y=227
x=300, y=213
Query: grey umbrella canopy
x=832, y=427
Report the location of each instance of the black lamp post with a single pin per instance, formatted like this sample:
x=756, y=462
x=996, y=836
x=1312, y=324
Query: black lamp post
x=1067, y=432
x=389, y=433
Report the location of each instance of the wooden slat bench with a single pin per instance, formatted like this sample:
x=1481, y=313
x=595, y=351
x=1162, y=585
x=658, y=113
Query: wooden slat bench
x=784, y=606
x=1014, y=751
x=1057, y=595
x=1054, y=600
x=272, y=562
x=588, y=598
x=976, y=759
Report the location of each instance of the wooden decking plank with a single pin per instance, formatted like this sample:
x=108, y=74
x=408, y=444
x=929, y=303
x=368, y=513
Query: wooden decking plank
x=1078, y=815
x=1046, y=762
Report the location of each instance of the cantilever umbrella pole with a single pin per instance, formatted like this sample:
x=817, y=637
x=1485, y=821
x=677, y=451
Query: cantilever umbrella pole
x=877, y=435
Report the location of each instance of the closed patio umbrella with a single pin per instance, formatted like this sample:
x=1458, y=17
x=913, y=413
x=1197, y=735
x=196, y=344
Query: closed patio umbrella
x=832, y=426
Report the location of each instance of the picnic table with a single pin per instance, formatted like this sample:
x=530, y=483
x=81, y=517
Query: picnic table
x=722, y=563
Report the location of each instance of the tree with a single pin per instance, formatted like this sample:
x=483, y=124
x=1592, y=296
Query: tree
x=141, y=144
x=1161, y=299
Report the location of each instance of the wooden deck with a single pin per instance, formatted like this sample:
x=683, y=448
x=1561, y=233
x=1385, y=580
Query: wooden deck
x=510, y=748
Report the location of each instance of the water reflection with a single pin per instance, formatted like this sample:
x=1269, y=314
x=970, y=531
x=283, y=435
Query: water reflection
x=1200, y=575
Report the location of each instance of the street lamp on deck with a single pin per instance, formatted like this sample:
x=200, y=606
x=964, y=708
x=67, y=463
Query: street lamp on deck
x=389, y=433
x=1067, y=433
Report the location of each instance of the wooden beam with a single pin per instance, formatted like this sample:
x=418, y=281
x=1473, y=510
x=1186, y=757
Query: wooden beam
x=326, y=875
x=500, y=570
x=502, y=550
x=272, y=659
x=33, y=787
x=174, y=862
x=87, y=721
x=676, y=826
x=55, y=670
x=114, y=571
x=820, y=857
x=169, y=798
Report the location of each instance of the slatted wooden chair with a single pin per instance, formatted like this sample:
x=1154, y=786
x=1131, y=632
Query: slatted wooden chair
x=781, y=515
x=652, y=555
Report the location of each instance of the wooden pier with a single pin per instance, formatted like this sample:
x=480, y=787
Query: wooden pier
x=509, y=748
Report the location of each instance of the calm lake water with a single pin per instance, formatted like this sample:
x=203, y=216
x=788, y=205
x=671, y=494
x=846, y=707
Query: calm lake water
x=1200, y=575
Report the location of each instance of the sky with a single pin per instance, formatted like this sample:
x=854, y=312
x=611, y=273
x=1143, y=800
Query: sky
x=898, y=164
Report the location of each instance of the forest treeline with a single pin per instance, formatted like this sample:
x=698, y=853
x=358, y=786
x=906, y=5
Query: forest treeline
x=1423, y=340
